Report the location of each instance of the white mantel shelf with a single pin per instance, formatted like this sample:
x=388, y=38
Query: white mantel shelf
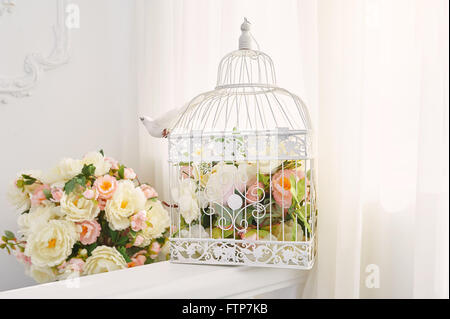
x=168, y=280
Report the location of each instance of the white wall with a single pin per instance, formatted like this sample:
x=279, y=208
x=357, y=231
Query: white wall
x=88, y=104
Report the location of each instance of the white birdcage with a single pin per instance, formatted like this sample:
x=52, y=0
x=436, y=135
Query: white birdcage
x=242, y=170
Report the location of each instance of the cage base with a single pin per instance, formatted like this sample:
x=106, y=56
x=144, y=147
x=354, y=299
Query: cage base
x=276, y=254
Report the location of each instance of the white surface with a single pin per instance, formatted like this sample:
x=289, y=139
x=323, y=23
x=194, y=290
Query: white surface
x=167, y=280
x=88, y=104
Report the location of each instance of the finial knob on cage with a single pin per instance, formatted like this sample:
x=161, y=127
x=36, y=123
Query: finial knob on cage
x=245, y=40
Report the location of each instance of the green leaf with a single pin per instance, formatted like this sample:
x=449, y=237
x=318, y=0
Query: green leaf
x=300, y=189
x=69, y=186
x=216, y=233
x=123, y=251
x=25, y=211
x=20, y=183
x=47, y=193
x=228, y=233
x=88, y=170
x=308, y=174
x=75, y=250
x=293, y=182
x=28, y=180
x=101, y=152
x=9, y=235
x=132, y=233
x=90, y=248
x=122, y=240
x=113, y=234
x=297, y=188
x=265, y=179
x=81, y=180
x=161, y=240
x=302, y=216
x=305, y=210
x=121, y=171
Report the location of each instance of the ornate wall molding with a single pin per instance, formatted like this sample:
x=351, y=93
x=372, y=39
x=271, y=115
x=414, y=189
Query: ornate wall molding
x=35, y=64
x=7, y=6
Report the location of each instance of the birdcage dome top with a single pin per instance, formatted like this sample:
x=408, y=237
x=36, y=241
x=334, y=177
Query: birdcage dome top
x=246, y=67
x=246, y=97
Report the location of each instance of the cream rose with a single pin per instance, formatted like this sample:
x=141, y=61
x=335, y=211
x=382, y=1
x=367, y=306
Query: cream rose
x=222, y=182
x=19, y=198
x=184, y=195
x=246, y=175
x=66, y=169
x=42, y=274
x=268, y=167
x=292, y=231
x=102, y=166
x=157, y=221
x=52, y=243
x=126, y=201
x=38, y=217
x=78, y=208
x=104, y=259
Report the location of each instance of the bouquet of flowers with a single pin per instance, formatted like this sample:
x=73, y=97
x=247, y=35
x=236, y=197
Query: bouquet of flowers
x=264, y=200
x=85, y=216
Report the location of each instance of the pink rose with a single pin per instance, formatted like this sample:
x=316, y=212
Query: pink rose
x=148, y=191
x=105, y=186
x=89, y=194
x=287, y=173
x=155, y=248
x=128, y=173
x=22, y=257
x=75, y=264
x=90, y=230
x=140, y=252
x=186, y=171
x=57, y=193
x=283, y=199
x=38, y=194
x=101, y=203
x=281, y=187
x=138, y=221
x=138, y=240
x=113, y=162
x=252, y=195
x=138, y=261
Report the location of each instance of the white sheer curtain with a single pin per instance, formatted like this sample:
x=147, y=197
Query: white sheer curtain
x=374, y=74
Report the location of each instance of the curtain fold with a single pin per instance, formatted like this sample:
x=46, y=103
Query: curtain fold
x=374, y=74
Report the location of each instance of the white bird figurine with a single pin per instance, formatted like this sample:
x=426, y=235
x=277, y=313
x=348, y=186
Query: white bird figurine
x=160, y=126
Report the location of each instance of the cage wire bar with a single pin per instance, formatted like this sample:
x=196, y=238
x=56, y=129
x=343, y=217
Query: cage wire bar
x=241, y=170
